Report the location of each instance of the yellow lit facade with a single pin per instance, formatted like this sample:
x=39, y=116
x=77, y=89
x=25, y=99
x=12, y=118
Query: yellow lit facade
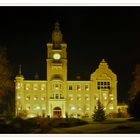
x=58, y=97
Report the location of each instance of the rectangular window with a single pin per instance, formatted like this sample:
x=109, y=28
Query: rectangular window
x=86, y=87
x=103, y=85
x=70, y=87
x=78, y=87
x=56, y=96
x=108, y=83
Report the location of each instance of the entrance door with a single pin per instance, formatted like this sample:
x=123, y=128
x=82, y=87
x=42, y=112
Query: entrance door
x=57, y=112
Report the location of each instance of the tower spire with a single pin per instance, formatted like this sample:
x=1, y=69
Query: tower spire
x=56, y=34
x=56, y=26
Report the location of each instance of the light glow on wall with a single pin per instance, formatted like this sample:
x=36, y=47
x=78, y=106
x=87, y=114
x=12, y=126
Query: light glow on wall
x=111, y=108
x=112, y=98
x=19, y=97
x=43, y=108
x=19, y=108
x=87, y=108
x=38, y=107
x=73, y=108
x=96, y=98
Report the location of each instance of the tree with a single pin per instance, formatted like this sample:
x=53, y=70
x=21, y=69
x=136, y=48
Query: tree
x=134, y=106
x=6, y=82
x=135, y=85
x=99, y=113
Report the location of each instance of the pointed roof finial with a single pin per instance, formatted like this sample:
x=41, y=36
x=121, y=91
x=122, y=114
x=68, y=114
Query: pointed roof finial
x=19, y=73
x=103, y=61
x=57, y=36
x=56, y=26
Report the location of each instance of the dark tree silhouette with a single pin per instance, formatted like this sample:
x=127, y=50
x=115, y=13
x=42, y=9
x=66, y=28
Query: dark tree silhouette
x=134, y=106
x=99, y=113
x=135, y=85
x=6, y=82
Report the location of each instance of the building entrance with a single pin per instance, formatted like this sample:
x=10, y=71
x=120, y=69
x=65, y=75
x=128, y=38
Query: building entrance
x=57, y=112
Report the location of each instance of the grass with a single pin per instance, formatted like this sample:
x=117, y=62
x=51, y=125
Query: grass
x=112, y=126
x=69, y=126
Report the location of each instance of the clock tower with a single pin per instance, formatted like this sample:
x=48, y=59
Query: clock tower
x=56, y=74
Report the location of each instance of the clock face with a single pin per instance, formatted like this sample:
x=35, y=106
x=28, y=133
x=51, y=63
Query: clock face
x=56, y=56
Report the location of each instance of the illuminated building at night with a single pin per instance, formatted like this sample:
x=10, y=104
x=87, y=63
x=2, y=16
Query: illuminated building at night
x=58, y=97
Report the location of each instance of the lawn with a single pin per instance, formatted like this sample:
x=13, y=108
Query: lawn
x=114, y=126
x=69, y=126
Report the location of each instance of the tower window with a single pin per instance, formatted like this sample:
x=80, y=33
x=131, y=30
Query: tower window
x=56, y=96
x=61, y=96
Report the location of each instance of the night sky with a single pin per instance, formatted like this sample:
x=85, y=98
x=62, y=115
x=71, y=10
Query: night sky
x=92, y=33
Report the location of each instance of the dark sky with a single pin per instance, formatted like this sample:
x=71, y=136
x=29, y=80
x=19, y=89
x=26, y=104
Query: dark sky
x=92, y=33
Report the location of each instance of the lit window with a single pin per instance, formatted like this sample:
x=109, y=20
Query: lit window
x=27, y=87
x=72, y=108
x=18, y=86
x=43, y=108
x=35, y=98
x=37, y=108
x=56, y=86
x=111, y=108
x=42, y=98
x=35, y=87
x=96, y=98
x=105, y=108
x=79, y=108
x=112, y=98
x=86, y=87
x=87, y=98
x=79, y=98
x=19, y=108
x=28, y=108
x=78, y=87
x=87, y=108
x=105, y=97
x=43, y=87
x=71, y=99
x=27, y=98
x=111, y=95
x=19, y=97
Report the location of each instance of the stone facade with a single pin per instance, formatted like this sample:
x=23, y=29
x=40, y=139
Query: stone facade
x=58, y=97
